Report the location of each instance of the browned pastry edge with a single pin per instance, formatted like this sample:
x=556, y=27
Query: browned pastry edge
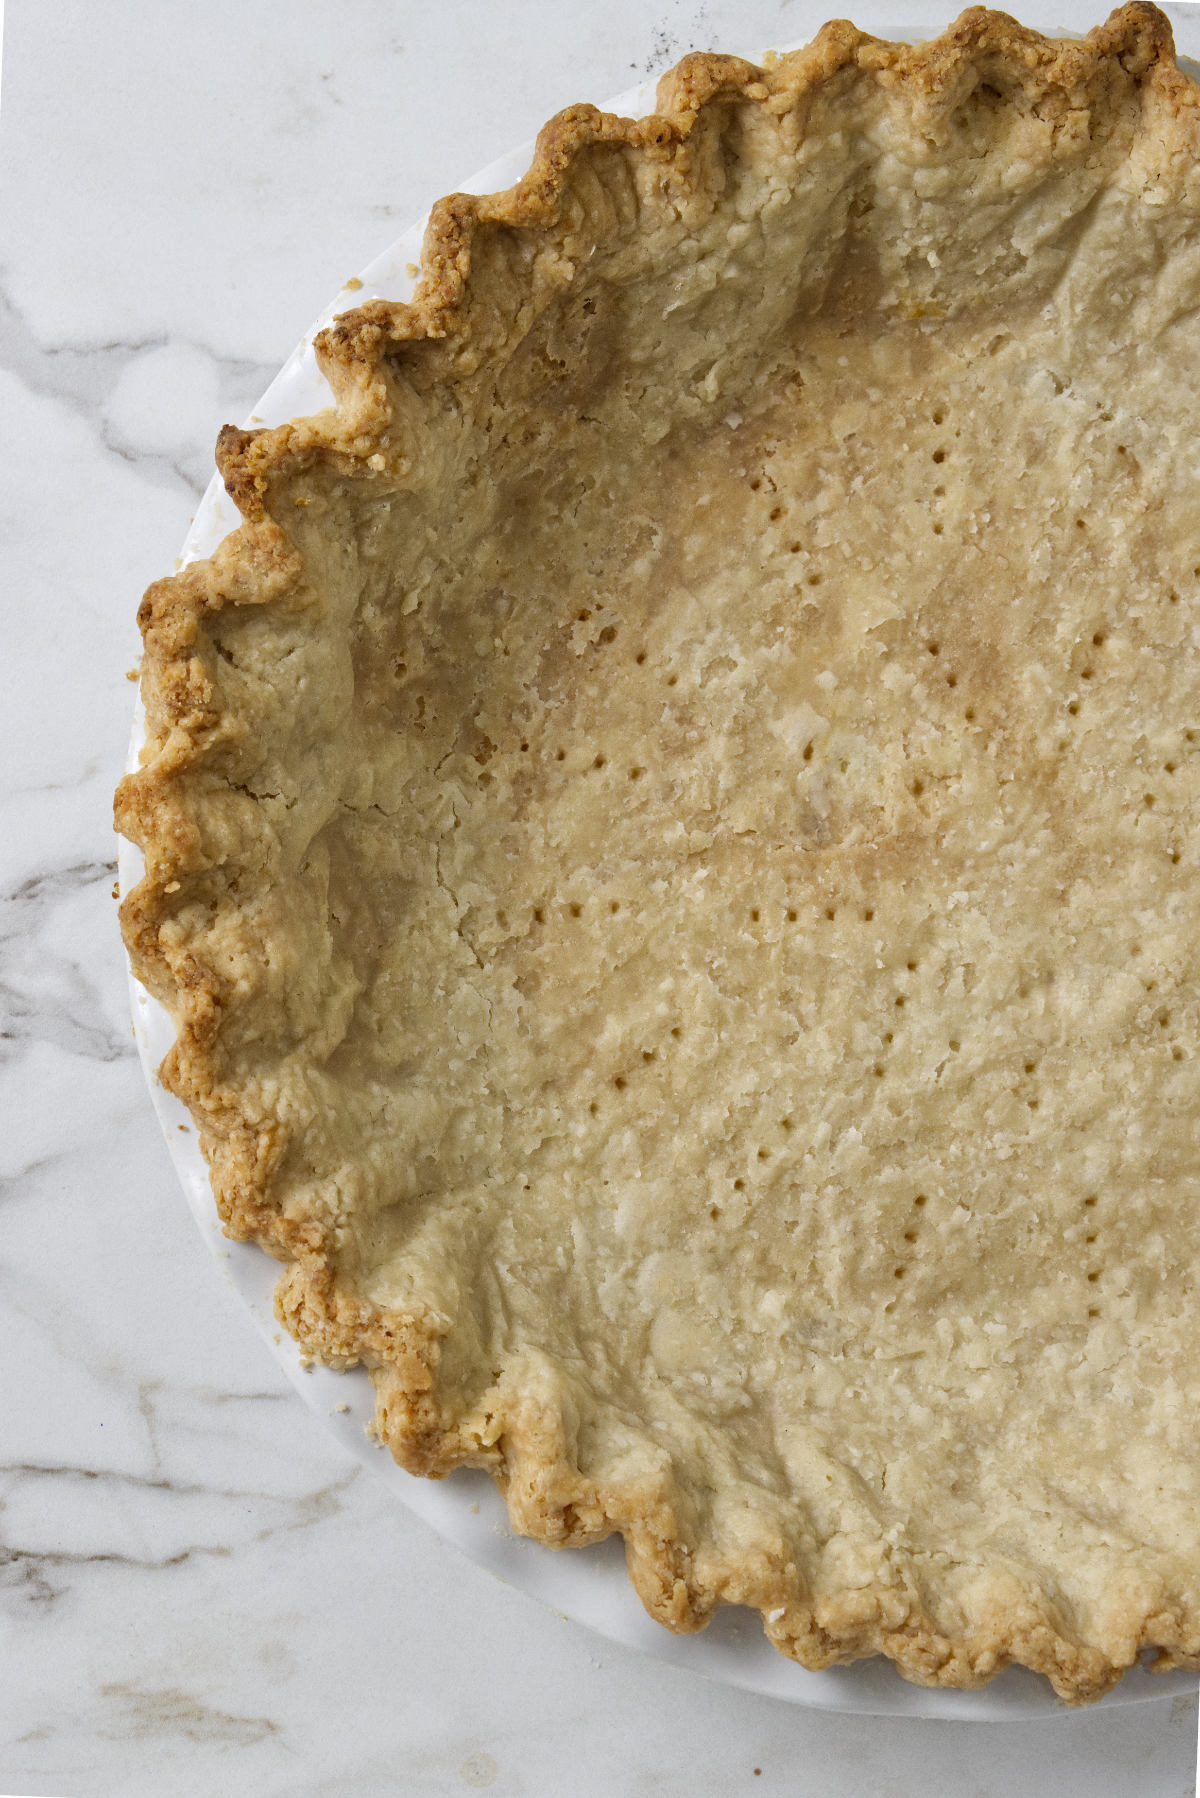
x=548, y=1497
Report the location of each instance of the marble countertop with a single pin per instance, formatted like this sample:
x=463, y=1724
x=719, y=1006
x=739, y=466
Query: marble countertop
x=198, y=1591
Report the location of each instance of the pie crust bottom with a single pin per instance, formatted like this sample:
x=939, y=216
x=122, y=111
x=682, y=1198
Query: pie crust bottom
x=669, y=847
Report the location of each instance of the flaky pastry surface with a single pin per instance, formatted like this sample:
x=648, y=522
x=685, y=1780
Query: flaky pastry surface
x=669, y=847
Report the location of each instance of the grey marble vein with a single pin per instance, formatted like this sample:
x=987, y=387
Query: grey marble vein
x=47, y=993
x=24, y=1570
x=51, y=883
x=87, y=772
x=18, y=1470
x=85, y=376
x=17, y=1185
x=28, y=1571
x=168, y=1710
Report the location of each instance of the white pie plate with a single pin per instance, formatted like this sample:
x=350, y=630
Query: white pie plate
x=587, y=1585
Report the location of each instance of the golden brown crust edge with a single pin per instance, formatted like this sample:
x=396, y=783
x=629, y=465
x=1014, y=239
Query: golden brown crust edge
x=548, y=1497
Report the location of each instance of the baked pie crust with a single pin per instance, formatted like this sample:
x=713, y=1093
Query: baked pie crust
x=668, y=839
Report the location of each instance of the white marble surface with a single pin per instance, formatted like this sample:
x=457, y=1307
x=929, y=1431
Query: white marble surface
x=198, y=1591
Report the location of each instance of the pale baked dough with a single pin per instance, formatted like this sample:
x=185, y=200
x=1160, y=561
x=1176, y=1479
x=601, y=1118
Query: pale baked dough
x=669, y=840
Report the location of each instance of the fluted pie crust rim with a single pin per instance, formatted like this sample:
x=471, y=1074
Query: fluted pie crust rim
x=490, y=266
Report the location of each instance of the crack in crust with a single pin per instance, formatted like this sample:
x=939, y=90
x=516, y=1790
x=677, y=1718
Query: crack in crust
x=490, y=267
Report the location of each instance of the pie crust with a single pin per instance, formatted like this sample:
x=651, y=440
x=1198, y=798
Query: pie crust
x=668, y=847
